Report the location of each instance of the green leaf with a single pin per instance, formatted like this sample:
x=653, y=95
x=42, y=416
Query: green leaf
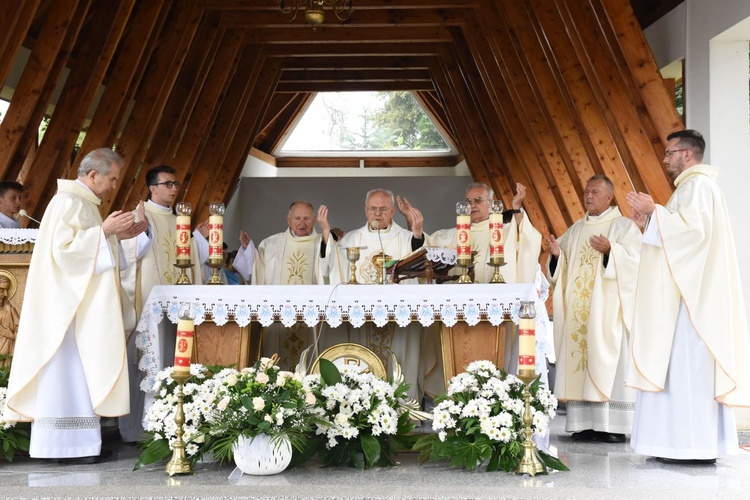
x=371, y=448
x=154, y=451
x=552, y=462
x=329, y=373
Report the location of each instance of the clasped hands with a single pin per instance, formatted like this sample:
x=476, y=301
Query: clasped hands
x=124, y=225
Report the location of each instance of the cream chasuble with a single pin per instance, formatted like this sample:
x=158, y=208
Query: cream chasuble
x=696, y=263
x=285, y=259
x=522, y=245
x=405, y=343
x=71, y=297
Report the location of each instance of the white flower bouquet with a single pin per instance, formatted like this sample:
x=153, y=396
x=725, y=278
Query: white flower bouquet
x=364, y=420
x=480, y=419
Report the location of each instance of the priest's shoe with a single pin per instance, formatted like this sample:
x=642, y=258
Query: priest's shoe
x=587, y=435
x=688, y=461
x=610, y=437
x=103, y=456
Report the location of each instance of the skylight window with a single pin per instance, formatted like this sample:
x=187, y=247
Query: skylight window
x=374, y=122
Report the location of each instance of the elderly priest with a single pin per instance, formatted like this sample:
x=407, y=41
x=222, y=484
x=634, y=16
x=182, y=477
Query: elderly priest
x=70, y=367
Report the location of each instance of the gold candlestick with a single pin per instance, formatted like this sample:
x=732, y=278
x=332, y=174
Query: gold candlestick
x=179, y=464
x=184, y=279
x=379, y=260
x=497, y=262
x=464, y=263
x=352, y=255
x=215, y=264
x=530, y=463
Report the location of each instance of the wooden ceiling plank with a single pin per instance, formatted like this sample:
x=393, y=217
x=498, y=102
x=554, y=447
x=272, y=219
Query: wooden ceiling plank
x=356, y=62
x=151, y=97
x=436, y=112
x=355, y=75
x=223, y=179
x=184, y=94
x=225, y=126
x=18, y=130
x=130, y=63
x=207, y=105
x=349, y=36
x=95, y=47
x=613, y=96
x=404, y=48
x=282, y=116
x=369, y=162
x=16, y=23
x=357, y=86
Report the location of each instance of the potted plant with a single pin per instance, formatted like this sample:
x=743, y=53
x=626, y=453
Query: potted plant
x=364, y=420
x=480, y=420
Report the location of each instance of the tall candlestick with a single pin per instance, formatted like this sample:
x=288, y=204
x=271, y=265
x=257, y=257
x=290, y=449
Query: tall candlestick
x=496, y=235
x=183, y=349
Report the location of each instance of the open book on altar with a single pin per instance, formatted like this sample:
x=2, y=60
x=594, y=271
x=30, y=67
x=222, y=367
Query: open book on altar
x=431, y=263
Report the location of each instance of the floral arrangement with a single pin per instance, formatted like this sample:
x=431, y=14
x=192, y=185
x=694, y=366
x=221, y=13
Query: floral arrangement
x=480, y=419
x=261, y=399
x=363, y=420
x=198, y=398
x=14, y=438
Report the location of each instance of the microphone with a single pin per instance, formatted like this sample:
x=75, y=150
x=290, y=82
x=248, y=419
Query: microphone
x=376, y=225
x=24, y=213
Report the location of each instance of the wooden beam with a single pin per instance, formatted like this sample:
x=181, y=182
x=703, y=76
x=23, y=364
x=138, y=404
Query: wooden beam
x=16, y=22
x=315, y=75
x=355, y=86
x=355, y=62
x=282, y=116
x=369, y=162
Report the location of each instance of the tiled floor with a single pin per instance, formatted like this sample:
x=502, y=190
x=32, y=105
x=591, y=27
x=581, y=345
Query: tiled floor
x=607, y=471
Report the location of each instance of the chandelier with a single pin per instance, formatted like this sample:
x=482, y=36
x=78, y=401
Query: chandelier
x=314, y=13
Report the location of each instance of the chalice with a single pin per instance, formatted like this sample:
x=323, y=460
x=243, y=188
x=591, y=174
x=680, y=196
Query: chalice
x=352, y=255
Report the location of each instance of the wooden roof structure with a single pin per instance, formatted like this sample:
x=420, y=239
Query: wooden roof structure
x=542, y=92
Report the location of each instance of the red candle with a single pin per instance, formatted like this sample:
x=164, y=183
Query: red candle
x=183, y=350
x=496, y=235
x=183, y=238
x=463, y=235
x=216, y=237
x=526, y=344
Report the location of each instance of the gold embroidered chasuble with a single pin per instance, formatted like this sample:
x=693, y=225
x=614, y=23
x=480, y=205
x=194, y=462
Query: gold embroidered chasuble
x=65, y=290
x=285, y=259
x=522, y=245
x=697, y=264
x=593, y=305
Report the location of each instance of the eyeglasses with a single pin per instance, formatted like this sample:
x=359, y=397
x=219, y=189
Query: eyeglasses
x=476, y=201
x=169, y=184
x=668, y=152
x=379, y=210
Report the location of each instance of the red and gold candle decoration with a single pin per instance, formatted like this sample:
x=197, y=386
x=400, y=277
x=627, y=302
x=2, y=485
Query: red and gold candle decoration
x=463, y=230
x=216, y=232
x=496, y=230
x=183, y=232
x=527, y=337
x=183, y=349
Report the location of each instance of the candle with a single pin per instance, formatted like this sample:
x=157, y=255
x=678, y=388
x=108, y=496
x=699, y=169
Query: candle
x=463, y=235
x=216, y=237
x=496, y=235
x=184, y=345
x=183, y=238
x=526, y=344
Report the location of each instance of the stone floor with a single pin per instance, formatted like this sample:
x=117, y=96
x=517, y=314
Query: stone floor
x=597, y=470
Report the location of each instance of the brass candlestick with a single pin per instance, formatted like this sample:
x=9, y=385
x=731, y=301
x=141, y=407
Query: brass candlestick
x=179, y=464
x=464, y=262
x=530, y=463
x=184, y=279
x=215, y=264
x=352, y=255
x=497, y=262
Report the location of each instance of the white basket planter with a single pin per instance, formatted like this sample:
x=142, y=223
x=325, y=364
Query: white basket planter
x=260, y=456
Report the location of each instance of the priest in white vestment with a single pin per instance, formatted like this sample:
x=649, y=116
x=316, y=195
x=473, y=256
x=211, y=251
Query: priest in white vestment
x=592, y=266
x=10, y=204
x=522, y=245
x=151, y=257
x=380, y=234
x=690, y=341
x=291, y=257
x=70, y=364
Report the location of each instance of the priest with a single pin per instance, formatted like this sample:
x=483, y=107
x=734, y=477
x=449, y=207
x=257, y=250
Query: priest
x=290, y=257
x=592, y=267
x=151, y=257
x=690, y=341
x=70, y=365
x=381, y=234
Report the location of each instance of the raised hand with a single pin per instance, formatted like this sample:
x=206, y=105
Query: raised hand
x=641, y=203
x=405, y=208
x=244, y=239
x=600, y=243
x=325, y=226
x=517, y=202
x=417, y=222
x=202, y=228
x=117, y=222
x=553, y=246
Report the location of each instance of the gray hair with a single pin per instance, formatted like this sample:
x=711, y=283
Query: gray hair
x=380, y=190
x=603, y=178
x=100, y=160
x=490, y=192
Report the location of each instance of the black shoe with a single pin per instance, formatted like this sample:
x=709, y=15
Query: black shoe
x=610, y=437
x=587, y=435
x=687, y=461
x=102, y=457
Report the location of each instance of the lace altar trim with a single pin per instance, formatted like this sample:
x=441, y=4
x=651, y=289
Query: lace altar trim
x=18, y=236
x=444, y=255
x=67, y=423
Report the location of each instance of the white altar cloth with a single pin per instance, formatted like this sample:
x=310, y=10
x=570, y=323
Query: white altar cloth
x=332, y=304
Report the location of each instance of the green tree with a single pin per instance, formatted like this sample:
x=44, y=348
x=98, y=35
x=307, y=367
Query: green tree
x=406, y=124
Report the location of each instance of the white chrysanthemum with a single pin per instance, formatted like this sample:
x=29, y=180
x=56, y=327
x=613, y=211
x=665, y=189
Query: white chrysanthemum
x=504, y=435
x=442, y=435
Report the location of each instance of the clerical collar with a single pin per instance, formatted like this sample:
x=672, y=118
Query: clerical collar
x=295, y=236
x=84, y=185
x=597, y=217
x=371, y=230
x=160, y=207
